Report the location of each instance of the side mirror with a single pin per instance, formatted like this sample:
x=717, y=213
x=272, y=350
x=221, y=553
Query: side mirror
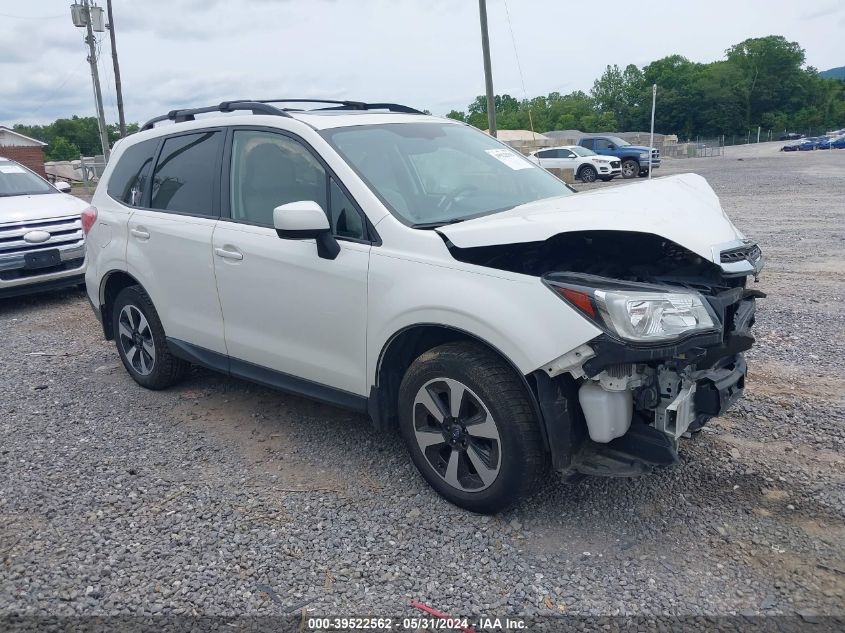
x=306, y=219
x=62, y=186
x=611, y=146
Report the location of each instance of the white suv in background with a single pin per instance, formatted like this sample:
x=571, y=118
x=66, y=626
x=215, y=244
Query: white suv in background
x=416, y=269
x=585, y=164
x=42, y=242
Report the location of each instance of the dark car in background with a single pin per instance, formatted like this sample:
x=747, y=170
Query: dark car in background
x=790, y=136
x=808, y=144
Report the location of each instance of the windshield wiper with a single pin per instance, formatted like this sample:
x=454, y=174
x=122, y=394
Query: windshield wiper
x=434, y=225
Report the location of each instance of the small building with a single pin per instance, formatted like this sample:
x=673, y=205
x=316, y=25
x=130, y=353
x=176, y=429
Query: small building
x=23, y=149
x=524, y=141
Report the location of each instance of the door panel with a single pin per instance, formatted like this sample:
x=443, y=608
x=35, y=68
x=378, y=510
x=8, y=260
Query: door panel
x=284, y=307
x=171, y=256
x=287, y=309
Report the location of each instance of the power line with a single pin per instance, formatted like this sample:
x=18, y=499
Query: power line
x=515, y=53
x=519, y=67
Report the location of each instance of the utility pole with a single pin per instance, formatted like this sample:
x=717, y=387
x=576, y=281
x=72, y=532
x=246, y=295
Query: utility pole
x=488, y=73
x=81, y=14
x=651, y=136
x=117, y=87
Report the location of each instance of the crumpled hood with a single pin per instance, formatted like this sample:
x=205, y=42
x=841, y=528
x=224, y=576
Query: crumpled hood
x=635, y=148
x=39, y=207
x=682, y=208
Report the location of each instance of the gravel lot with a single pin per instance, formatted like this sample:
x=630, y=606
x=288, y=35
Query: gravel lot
x=222, y=498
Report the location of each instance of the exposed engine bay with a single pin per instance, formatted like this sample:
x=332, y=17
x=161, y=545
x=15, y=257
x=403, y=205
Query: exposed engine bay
x=623, y=255
x=619, y=404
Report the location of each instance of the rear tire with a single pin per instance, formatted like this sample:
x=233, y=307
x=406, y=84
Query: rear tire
x=587, y=174
x=141, y=342
x=469, y=425
x=630, y=168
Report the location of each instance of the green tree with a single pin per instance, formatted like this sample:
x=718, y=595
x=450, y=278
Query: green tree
x=81, y=132
x=61, y=149
x=768, y=70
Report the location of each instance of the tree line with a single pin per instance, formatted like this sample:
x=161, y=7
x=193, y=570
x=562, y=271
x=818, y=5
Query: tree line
x=67, y=139
x=761, y=82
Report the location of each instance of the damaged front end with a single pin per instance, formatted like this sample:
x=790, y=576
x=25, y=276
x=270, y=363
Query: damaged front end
x=675, y=326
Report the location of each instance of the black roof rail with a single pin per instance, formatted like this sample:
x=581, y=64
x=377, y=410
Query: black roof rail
x=349, y=105
x=263, y=106
x=179, y=116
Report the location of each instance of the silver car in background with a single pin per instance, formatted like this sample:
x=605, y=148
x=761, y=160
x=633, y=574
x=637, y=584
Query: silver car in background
x=42, y=242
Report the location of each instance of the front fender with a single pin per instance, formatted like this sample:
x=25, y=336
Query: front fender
x=515, y=314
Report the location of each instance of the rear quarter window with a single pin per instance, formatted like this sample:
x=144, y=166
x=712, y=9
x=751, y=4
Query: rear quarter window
x=131, y=176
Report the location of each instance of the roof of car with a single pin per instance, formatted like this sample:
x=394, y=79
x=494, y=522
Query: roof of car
x=316, y=120
x=322, y=113
x=569, y=147
x=344, y=118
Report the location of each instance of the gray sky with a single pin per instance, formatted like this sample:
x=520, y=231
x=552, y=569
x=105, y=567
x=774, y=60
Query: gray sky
x=424, y=53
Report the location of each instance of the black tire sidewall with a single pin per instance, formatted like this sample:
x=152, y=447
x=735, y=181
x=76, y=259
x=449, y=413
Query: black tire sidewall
x=136, y=297
x=514, y=448
x=587, y=169
x=635, y=172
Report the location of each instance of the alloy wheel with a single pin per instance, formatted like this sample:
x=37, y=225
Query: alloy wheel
x=136, y=340
x=457, y=434
x=588, y=174
x=629, y=169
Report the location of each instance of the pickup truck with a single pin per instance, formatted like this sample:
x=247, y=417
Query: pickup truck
x=634, y=157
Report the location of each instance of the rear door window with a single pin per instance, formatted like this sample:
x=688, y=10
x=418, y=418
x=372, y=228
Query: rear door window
x=130, y=179
x=186, y=173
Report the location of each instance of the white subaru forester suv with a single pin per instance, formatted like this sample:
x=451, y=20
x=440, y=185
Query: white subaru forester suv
x=416, y=269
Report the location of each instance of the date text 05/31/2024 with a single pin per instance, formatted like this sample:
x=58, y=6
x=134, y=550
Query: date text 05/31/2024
x=414, y=624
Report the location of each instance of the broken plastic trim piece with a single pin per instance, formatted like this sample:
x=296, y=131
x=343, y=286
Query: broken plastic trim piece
x=570, y=362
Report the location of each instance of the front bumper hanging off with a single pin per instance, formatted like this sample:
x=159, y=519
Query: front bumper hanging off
x=675, y=389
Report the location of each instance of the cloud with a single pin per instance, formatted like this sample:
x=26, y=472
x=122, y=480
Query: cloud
x=822, y=12
x=426, y=53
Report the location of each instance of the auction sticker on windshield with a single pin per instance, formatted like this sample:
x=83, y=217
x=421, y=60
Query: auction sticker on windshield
x=11, y=169
x=512, y=160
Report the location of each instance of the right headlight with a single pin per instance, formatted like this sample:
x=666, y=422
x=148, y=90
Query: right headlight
x=639, y=315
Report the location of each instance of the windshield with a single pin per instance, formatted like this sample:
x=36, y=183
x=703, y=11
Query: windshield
x=436, y=173
x=582, y=151
x=17, y=181
x=617, y=141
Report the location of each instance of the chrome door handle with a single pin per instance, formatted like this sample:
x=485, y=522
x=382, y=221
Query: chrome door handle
x=222, y=252
x=140, y=234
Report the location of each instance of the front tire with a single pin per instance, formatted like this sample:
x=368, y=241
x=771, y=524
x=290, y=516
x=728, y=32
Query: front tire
x=630, y=168
x=587, y=174
x=469, y=425
x=141, y=342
